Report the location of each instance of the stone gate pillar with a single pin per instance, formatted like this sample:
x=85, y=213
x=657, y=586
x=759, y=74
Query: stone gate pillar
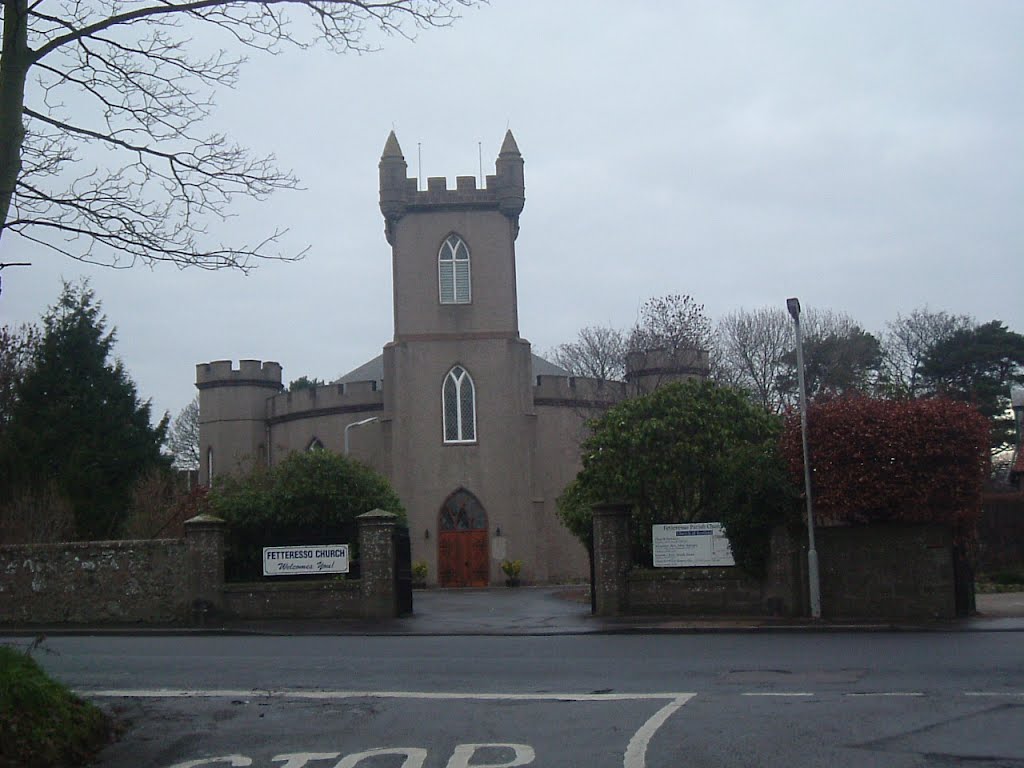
x=612, y=558
x=377, y=564
x=204, y=545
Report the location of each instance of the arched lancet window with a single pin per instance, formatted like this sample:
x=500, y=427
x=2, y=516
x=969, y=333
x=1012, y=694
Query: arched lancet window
x=453, y=271
x=209, y=466
x=458, y=406
x=462, y=511
x=315, y=445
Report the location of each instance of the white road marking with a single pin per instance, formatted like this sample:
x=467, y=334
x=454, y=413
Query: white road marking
x=773, y=693
x=228, y=693
x=868, y=694
x=994, y=693
x=523, y=755
x=414, y=757
x=301, y=759
x=636, y=751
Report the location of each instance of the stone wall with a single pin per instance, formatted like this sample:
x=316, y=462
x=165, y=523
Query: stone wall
x=173, y=581
x=894, y=571
x=94, y=582
x=694, y=591
x=887, y=571
x=320, y=599
x=1001, y=532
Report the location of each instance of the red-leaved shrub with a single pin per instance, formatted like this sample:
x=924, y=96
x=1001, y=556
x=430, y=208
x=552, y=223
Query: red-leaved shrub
x=891, y=460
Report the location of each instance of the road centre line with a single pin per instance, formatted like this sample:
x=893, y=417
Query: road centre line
x=1013, y=694
x=868, y=694
x=778, y=694
x=168, y=693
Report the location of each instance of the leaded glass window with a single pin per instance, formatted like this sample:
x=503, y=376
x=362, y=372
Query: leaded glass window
x=453, y=271
x=458, y=406
x=462, y=512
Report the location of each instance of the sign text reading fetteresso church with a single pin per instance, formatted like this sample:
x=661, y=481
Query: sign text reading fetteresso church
x=299, y=561
x=691, y=545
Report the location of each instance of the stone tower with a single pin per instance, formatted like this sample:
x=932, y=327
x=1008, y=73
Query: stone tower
x=457, y=376
x=232, y=414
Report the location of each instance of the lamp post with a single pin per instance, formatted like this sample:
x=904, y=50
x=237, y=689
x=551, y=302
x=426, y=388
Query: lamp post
x=356, y=424
x=793, y=305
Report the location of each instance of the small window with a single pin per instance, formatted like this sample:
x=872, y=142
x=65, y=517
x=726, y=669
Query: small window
x=458, y=404
x=315, y=445
x=453, y=271
x=209, y=466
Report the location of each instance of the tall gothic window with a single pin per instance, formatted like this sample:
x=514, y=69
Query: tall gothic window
x=453, y=271
x=458, y=406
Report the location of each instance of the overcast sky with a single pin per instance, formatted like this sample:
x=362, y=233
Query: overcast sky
x=867, y=157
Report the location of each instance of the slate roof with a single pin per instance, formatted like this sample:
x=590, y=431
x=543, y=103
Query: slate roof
x=373, y=370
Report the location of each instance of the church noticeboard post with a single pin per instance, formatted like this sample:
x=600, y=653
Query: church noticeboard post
x=691, y=545
x=298, y=561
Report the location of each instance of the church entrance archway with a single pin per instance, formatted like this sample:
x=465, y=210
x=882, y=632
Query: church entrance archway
x=462, y=556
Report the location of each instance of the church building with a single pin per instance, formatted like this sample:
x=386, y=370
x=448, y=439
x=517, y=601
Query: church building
x=477, y=434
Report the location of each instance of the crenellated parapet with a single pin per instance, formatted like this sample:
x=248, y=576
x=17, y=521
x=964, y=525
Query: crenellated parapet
x=504, y=191
x=577, y=392
x=647, y=370
x=312, y=402
x=249, y=373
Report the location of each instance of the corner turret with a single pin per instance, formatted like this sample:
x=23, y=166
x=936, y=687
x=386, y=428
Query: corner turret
x=393, y=182
x=232, y=414
x=511, y=187
x=650, y=369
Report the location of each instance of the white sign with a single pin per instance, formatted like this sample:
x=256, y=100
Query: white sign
x=297, y=561
x=691, y=545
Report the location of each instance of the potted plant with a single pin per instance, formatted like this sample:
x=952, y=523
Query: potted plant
x=512, y=569
x=419, y=574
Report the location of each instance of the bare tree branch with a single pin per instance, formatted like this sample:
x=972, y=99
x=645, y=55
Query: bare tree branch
x=123, y=75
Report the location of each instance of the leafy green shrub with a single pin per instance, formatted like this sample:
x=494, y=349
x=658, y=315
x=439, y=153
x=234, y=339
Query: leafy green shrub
x=688, y=452
x=42, y=723
x=311, y=497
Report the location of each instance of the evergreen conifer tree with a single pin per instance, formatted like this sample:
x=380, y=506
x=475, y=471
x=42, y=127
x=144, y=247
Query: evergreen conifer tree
x=78, y=424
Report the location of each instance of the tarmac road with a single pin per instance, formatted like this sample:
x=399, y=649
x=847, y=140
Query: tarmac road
x=773, y=696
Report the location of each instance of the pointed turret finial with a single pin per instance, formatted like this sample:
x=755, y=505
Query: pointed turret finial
x=509, y=146
x=510, y=186
x=392, y=182
x=391, y=148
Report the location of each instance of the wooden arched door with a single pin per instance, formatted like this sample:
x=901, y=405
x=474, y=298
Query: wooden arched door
x=462, y=557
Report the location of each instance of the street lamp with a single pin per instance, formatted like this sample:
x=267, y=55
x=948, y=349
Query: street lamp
x=793, y=305
x=356, y=424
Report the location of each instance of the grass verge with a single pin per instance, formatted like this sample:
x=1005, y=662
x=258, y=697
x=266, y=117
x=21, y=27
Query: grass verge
x=41, y=722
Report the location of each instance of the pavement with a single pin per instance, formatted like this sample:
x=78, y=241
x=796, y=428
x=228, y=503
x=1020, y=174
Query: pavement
x=562, y=610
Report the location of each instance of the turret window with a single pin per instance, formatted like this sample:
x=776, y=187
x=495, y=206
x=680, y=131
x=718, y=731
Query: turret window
x=453, y=271
x=458, y=406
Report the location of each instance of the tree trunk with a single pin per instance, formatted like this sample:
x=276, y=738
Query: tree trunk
x=14, y=64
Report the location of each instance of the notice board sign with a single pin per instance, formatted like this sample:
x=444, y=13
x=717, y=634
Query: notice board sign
x=299, y=561
x=691, y=545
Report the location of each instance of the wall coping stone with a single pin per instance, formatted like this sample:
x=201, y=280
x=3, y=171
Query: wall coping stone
x=378, y=516
x=205, y=519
